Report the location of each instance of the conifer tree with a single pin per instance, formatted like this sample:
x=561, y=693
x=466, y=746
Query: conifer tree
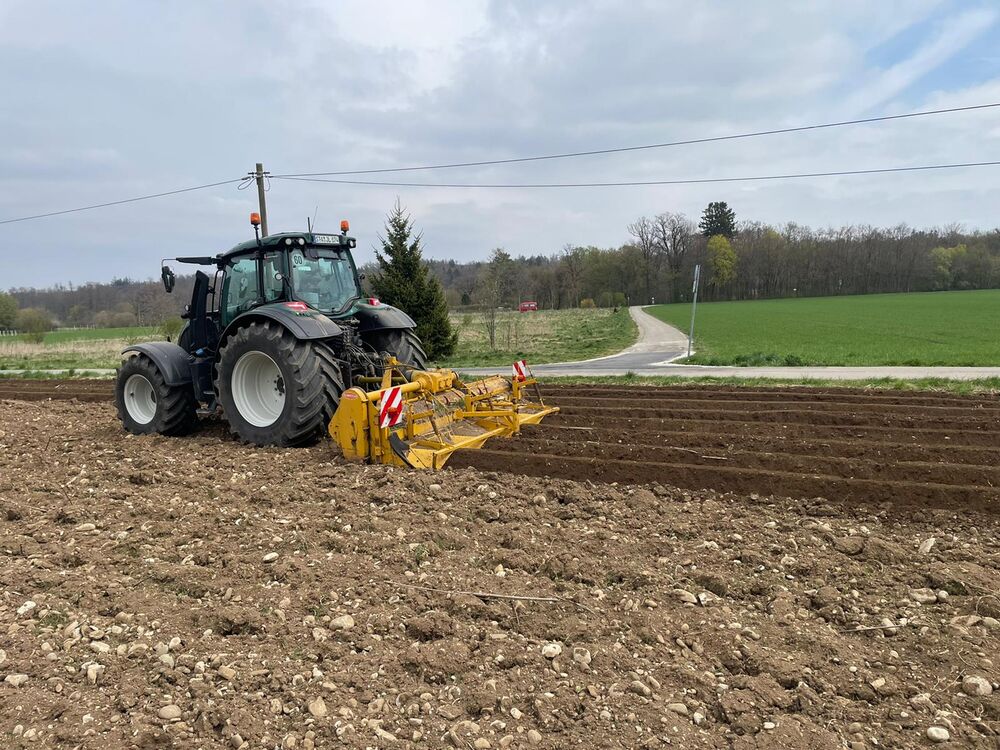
x=404, y=281
x=718, y=218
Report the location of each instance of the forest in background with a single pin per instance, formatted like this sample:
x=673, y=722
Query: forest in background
x=740, y=260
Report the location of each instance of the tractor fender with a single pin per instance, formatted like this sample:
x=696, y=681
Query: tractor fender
x=303, y=326
x=172, y=361
x=381, y=318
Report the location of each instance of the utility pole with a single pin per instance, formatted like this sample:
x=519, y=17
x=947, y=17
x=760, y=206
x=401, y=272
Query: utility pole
x=259, y=175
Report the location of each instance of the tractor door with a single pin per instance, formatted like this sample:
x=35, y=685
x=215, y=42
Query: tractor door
x=202, y=333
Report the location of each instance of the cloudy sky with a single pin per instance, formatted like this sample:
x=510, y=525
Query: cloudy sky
x=109, y=100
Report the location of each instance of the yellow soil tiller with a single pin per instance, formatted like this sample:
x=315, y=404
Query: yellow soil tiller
x=419, y=418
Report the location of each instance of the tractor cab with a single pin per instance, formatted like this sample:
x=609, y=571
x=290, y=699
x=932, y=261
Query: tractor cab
x=310, y=271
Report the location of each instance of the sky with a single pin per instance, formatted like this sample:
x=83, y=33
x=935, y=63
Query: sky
x=122, y=98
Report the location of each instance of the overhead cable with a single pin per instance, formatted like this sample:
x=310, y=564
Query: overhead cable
x=649, y=146
x=120, y=202
x=640, y=183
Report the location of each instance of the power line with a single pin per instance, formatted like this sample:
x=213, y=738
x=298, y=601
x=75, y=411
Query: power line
x=640, y=183
x=118, y=203
x=646, y=147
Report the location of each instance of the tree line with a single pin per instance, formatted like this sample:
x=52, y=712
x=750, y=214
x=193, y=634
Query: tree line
x=120, y=303
x=740, y=260
x=655, y=262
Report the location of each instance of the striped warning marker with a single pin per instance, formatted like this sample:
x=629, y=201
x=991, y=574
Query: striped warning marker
x=521, y=370
x=391, y=410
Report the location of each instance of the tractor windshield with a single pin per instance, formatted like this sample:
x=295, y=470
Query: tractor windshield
x=323, y=278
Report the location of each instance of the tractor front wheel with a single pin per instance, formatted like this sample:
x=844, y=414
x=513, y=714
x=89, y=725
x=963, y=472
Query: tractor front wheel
x=404, y=345
x=147, y=405
x=276, y=389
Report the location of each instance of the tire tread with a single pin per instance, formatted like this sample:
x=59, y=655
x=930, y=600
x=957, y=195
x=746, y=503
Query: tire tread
x=315, y=390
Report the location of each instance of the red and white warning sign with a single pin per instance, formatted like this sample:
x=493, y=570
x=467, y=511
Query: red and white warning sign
x=520, y=370
x=390, y=411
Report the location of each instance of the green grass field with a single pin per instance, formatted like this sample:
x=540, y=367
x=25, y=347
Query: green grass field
x=97, y=348
x=66, y=335
x=543, y=336
x=932, y=328
x=546, y=336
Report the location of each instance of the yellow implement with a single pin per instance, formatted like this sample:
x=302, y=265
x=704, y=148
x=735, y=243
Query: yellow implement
x=419, y=418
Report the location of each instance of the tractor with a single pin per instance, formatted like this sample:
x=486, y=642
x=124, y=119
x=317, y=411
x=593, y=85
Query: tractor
x=274, y=336
x=282, y=341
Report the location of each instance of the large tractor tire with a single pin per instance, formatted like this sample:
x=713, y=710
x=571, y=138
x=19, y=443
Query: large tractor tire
x=274, y=388
x=404, y=345
x=147, y=405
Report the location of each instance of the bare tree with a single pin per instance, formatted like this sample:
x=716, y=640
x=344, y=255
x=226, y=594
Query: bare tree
x=495, y=283
x=644, y=233
x=673, y=234
x=571, y=264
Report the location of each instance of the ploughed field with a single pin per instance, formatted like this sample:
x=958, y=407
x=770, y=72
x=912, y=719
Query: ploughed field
x=62, y=390
x=913, y=448
x=196, y=592
x=873, y=447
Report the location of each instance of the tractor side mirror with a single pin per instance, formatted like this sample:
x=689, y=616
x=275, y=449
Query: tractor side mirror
x=168, y=278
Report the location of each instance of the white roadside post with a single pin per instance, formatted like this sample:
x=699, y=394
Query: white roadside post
x=694, y=304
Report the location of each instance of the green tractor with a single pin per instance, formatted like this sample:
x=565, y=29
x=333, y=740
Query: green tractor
x=273, y=338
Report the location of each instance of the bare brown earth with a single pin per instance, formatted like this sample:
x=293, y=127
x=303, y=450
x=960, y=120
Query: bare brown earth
x=196, y=592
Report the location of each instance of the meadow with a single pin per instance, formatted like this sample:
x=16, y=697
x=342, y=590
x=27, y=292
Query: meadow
x=922, y=329
x=76, y=349
x=542, y=336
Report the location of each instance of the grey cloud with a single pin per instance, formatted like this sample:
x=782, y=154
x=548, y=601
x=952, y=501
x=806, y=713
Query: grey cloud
x=103, y=101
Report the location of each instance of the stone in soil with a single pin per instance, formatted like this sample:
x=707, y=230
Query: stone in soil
x=169, y=712
x=938, y=734
x=551, y=650
x=976, y=685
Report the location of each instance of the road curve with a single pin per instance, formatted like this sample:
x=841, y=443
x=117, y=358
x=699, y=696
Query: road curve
x=659, y=345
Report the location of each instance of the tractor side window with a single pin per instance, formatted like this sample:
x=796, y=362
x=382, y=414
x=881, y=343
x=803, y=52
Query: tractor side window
x=273, y=288
x=240, y=292
x=241, y=283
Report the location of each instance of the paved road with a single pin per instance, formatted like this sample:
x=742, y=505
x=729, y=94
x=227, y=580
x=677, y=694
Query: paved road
x=660, y=344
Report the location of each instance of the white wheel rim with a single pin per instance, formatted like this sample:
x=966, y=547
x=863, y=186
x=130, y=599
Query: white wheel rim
x=258, y=389
x=140, y=399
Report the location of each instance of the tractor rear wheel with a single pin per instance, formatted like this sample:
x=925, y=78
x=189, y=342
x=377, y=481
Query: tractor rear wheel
x=274, y=388
x=404, y=345
x=147, y=405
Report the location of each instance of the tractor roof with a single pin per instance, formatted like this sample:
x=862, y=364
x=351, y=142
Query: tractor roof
x=276, y=240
